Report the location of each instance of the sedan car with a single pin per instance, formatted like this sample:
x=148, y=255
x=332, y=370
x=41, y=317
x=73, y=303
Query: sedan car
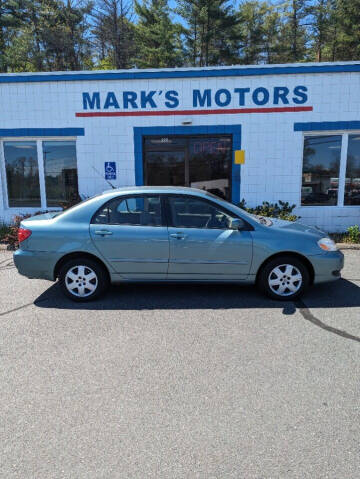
x=172, y=234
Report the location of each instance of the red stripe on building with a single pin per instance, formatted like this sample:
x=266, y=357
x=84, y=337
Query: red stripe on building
x=220, y=111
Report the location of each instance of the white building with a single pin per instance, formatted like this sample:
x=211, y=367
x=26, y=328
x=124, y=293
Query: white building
x=299, y=126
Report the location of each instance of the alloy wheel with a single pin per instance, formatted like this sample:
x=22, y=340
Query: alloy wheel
x=81, y=281
x=285, y=280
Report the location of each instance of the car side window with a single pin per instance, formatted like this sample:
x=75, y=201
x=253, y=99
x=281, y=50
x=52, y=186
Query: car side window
x=196, y=213
x=135, y=211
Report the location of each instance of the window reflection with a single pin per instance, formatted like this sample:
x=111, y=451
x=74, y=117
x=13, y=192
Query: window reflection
x=352, y=180
x=22, y=173
x=199, y=161
x=321, y=163
x=135, y=211
x=196, y=213
x=209, y=165
x=165, y=168
x=61, y=180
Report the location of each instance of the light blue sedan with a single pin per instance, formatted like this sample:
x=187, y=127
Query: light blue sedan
x=172, y=234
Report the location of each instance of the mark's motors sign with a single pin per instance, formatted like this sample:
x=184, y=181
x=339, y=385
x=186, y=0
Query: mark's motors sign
x=204, y=102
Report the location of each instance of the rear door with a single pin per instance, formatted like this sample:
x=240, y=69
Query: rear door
x=131, y=233
x=202, y=245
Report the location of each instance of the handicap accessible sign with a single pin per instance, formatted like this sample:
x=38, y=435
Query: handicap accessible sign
x=110, y=170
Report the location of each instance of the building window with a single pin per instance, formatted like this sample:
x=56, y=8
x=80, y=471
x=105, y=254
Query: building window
x=22, y=173
x=352, y=179
x=60, y=172
x=198, y=161
x=321, y=165
x=40, y=174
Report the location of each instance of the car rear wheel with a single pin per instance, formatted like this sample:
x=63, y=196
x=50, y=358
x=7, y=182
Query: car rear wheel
x=83, y=279
x=284, y=278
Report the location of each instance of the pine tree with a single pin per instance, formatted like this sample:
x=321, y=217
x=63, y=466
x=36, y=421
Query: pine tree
x=271, y=35
x=348, y=33
x=321, y=20
x=9, y=21
x=158, y=42
x=251, y=27
x=259, y=26
x=294, y=35
x=114, y=33
x=49, y=35
x=211, y=35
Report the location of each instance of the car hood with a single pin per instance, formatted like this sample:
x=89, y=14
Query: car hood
x=295, y=226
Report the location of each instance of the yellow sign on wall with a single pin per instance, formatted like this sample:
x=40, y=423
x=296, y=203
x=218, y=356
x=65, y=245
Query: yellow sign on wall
x=239, y=157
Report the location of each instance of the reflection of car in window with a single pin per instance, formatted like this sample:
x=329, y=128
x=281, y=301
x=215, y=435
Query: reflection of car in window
x=316, y=198
x=332, y=192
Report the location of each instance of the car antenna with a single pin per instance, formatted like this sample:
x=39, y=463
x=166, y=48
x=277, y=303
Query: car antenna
x=107, y=181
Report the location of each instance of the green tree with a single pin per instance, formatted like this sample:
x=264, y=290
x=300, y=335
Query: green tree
x=260, y=23
x=10, y=21
x=158, y=42
x=114, y=33
x=348, y=30
x=322, y=26
x=49, y=35
x=271, y=28
x=252, y=31
x=294, y=31
x=211, y=34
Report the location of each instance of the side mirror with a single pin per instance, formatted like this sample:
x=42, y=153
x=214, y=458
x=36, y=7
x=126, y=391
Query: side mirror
x=236, y=224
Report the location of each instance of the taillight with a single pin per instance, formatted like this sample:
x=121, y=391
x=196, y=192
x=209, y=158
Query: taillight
x=23, y=234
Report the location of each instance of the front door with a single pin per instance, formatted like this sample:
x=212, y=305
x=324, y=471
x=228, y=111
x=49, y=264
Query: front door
x=202, y=245
x=198, y=161
x=131, y=234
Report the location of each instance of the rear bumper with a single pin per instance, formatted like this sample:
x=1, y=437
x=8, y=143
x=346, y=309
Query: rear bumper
x=35, y=264
x=327, y=266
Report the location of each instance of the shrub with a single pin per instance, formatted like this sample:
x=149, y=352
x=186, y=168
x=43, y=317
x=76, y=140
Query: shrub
x=353, y=234
x=282, y=210
x=10, y=234
x=11, y=238
x=4, y=231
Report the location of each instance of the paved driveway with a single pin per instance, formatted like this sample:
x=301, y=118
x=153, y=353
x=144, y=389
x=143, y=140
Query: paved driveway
x=179, y=382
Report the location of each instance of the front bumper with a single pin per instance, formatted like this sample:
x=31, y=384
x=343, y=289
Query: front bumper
x=327, y=266
x=35, y=264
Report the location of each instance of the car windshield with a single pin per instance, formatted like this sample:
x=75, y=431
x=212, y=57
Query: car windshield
x=259, y=219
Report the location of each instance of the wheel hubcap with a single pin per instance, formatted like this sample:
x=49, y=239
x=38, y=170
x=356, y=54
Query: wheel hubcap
x=81, y=281
x=285, y=280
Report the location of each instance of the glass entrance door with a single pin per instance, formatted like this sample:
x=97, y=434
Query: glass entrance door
x=165, y=168
x=198, y=161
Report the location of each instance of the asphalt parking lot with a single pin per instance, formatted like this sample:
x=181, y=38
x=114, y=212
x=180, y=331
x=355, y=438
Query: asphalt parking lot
x=179, y=381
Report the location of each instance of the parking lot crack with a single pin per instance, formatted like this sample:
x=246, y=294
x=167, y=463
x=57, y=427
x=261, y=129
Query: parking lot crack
x=22, y=307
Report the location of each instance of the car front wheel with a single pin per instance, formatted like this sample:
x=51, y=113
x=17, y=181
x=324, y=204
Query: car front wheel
x=284, y=278
x=83, y=279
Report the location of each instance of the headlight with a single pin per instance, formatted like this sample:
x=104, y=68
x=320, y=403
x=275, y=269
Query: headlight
x=327, y=244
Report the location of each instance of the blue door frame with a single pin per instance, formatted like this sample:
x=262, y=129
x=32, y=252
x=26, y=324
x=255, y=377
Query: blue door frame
x=234, y=130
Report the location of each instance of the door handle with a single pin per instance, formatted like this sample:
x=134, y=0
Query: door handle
x=178, y=236
x=103, y=232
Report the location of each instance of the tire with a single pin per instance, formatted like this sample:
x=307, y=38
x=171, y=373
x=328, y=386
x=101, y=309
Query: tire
x=82, y=279
x=284, y=278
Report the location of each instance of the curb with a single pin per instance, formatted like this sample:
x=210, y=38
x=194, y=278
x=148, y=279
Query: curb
x=353, y=246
